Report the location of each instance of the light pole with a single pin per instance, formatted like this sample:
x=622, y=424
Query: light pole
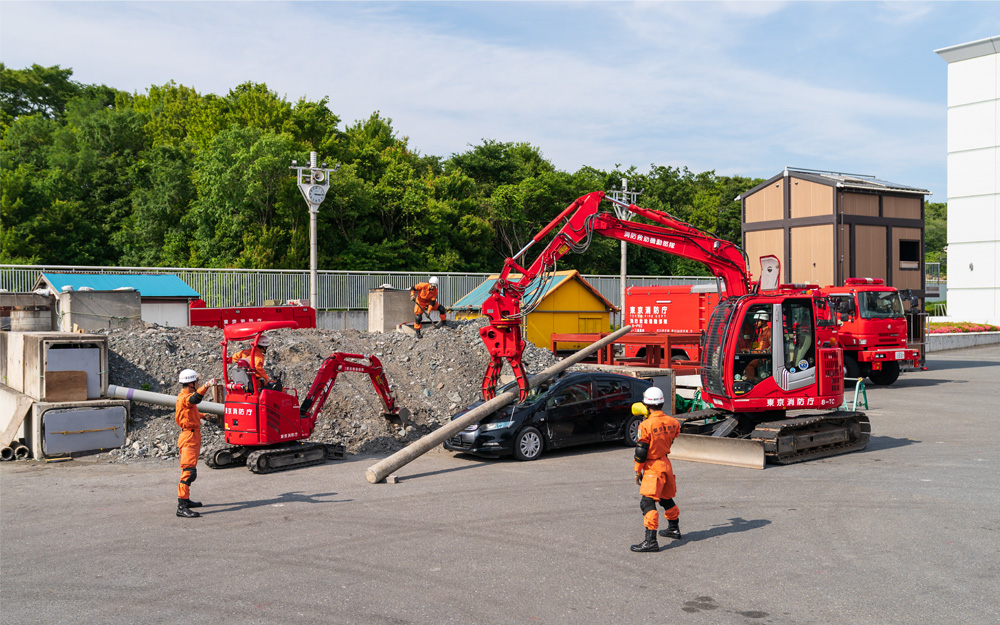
x=622, y=212
x=314, y=181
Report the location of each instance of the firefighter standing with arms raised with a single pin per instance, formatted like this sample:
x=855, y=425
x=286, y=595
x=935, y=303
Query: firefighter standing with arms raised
x=424, y=296
x=653, y=472
x=189, y=442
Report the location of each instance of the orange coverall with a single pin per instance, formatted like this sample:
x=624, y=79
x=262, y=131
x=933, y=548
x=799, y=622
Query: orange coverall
x=426, y=299
x=256, y=365
x=189, y=442
x=658, y=484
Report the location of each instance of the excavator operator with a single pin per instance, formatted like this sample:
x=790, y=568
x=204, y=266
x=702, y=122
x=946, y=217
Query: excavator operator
x=257, y=363
x=653, y=472
x=424, y=296
x=189, y=442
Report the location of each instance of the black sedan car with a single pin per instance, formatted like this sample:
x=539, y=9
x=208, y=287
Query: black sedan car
x=572, y=409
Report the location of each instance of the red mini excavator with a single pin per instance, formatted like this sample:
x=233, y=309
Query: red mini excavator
x=769, y=349
x=265, y=425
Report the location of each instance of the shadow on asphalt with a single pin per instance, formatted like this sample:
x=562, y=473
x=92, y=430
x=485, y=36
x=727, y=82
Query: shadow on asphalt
x=737, y=524
x=292, y=497
x=878, y=443
x=945, y=365
x=915, y=383
x=481, y=463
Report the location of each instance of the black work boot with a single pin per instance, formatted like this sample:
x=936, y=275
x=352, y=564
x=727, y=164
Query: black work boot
x=649, y=544
x=673, y=530
x=184, y=511
x=193, y=504
x=419, y=335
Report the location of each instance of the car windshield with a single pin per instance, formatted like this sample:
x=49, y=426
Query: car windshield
x=534, y=394
x=880, y=304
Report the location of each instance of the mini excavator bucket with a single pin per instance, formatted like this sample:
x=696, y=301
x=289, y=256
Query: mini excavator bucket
x=400, y=418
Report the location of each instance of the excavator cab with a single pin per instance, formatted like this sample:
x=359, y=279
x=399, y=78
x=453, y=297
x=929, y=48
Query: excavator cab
x=763, y=353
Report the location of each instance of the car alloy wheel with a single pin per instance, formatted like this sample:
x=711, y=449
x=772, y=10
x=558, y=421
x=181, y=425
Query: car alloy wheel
x=632, y=431
x=528, y=444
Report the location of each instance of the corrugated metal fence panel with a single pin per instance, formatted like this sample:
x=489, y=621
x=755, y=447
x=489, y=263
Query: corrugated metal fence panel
x=338, y=290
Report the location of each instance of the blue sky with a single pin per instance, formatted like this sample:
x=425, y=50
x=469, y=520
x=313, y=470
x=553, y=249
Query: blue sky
x=737, y=87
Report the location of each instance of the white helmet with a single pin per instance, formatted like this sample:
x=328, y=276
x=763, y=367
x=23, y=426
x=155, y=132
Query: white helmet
x=264, y=341
x=653, y=396
x=188, y=375
x=433, y=280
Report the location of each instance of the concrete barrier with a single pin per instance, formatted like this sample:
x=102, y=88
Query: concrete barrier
x=958, y=340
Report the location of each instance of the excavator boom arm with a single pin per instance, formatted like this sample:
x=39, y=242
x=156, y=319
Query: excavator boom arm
x=583, y=219
x=339, y=362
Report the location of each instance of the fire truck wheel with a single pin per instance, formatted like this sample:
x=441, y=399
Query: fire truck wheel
x=887, y=375
x=851, y=368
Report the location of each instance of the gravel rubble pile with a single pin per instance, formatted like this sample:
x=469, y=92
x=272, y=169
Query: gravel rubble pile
x=433, y=377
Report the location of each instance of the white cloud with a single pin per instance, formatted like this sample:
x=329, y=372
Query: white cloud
x=669, y=83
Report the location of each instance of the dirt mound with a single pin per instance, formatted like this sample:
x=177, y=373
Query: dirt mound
x=432, y=377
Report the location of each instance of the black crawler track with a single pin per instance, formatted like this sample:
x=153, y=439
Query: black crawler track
x=275, y=458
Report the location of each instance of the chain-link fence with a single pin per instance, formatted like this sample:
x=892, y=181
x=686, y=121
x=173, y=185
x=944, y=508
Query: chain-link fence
x=338, y=290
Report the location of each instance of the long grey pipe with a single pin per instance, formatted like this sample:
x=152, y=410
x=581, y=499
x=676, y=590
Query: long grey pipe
x=378, y=471
x=160, y=399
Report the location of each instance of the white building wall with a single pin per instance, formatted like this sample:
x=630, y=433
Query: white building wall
x=974, y=180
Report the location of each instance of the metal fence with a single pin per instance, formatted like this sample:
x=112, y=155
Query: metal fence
x=338, y=290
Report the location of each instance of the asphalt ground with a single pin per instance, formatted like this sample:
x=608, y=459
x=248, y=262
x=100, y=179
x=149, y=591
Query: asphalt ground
x=907, y=531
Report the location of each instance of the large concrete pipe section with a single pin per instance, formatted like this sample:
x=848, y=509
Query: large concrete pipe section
x=380, y=470
x=160, y=399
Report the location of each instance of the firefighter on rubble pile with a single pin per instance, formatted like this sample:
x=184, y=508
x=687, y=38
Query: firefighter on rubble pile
x=189, y=442
x=424, y=296
x=653, y=473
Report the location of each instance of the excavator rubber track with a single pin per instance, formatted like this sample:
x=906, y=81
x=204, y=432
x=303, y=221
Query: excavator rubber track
x=813, y=436
x=291, y=456
x=225, y=456
x=709, y=436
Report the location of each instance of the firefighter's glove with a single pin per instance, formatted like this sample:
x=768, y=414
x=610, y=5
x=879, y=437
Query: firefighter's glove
x=638, y=479
x=639, y=409
x=212, y=382
x=413, y=298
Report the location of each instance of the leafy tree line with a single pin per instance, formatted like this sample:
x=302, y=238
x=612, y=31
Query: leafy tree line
x=92, y=175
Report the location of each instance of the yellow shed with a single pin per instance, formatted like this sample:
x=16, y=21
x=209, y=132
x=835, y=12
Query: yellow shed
x=569, y=305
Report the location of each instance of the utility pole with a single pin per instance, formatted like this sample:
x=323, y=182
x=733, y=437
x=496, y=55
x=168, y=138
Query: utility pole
x=622, y=212
x=314, y=181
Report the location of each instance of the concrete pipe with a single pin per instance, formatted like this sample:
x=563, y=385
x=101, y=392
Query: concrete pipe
x=380, y=470
x=21, y=452
x=160, y=399
x=7, y=453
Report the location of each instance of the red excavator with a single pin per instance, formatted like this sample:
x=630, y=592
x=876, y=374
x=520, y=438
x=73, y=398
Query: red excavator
x=769, y=349
x=265, y=425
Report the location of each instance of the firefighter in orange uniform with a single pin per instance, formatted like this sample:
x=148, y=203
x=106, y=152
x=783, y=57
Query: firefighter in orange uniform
x=189, y=442
x=424, y=296
x=257, y=362
x=653, y=473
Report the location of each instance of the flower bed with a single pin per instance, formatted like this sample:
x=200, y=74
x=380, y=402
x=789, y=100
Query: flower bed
x=960, y=326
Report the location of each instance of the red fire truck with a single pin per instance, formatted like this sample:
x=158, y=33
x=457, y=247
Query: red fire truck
x=303, y=316
x=873, y=334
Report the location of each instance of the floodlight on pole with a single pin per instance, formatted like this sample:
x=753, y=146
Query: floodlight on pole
x=314, y=182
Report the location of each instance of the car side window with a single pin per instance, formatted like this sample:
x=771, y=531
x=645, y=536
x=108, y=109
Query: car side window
x=607, y=388
x=570, y=395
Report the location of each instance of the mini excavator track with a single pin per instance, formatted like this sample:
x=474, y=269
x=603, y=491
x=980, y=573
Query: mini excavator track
x=271, y=459
x=291, y=456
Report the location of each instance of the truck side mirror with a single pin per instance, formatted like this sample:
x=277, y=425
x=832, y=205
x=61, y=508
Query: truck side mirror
x=914, y=301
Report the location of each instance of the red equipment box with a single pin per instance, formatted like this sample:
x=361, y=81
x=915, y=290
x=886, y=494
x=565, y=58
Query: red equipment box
x=304, y=316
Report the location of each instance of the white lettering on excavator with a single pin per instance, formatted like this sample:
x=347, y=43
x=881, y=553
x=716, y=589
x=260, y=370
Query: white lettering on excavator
x=641, y=238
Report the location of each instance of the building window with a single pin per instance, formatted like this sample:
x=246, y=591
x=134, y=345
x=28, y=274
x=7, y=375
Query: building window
x=909, y=254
